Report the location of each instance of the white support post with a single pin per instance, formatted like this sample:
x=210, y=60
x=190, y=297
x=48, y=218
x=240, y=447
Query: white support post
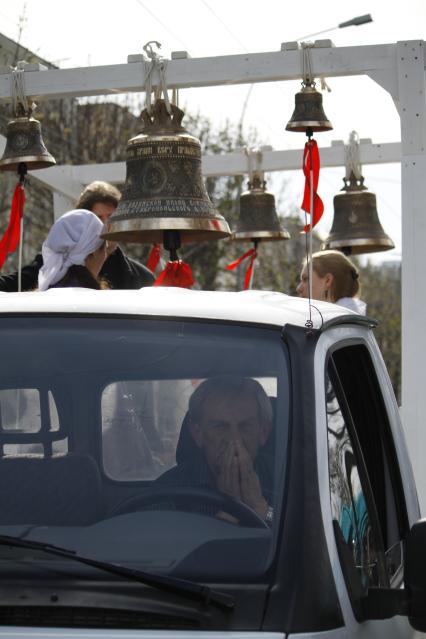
x=61, y=204
x=412, y=109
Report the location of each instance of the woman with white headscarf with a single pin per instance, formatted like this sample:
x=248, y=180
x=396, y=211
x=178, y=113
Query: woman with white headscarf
x=73, y=252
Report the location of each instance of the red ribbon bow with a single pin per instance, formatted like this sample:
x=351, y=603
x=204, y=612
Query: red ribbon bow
x=10, y=239
x=154, y=257
x=177, y=273
x=252, y=254
x=311, y=162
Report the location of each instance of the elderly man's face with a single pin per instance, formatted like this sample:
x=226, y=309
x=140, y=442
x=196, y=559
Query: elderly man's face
x=229, y=422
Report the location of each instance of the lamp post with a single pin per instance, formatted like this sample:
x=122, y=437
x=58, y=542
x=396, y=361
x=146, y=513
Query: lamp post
x=355, y=22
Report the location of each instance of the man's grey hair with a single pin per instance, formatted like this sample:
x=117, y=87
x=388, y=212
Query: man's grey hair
x=98, y=191
x=230, y=386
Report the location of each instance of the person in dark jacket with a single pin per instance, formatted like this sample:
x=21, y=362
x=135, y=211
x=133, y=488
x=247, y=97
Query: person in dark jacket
x=120, y=271
x=228, y=423
x=73, y=252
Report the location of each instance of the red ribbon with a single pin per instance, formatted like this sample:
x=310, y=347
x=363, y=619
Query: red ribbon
x=154, y=257
x=10, y=239
x=176, y=273
x=252, y=254
x=311, y=161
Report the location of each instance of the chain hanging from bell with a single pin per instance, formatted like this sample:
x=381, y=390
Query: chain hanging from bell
x=308, y=113
x=164, y=192
x=24, y=142
x=356, y=226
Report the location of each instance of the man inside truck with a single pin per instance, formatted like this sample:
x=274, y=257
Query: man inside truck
x=223, y=443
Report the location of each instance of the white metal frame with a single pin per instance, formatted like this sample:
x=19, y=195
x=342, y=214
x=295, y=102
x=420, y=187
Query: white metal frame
x=398, y=68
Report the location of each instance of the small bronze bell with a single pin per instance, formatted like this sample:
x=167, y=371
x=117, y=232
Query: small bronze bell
x=258, y=219
x=24, y=145
x=356, y=227
x=164, y=190
x=308, y=112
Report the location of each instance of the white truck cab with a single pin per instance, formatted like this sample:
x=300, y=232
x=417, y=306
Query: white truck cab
x=139, y=499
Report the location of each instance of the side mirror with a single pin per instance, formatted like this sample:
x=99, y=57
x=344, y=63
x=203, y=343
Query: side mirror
x=415, y=574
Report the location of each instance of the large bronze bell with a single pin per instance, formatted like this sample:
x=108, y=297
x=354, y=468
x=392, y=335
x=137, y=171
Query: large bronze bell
x=258, y=219
x=308, y=112
x=164, y=189
x=356, y=227
x=24, y=145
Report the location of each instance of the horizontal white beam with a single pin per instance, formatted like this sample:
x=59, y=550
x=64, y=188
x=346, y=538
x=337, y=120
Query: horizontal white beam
x=69, y=181
x=217, y=165
x=203, y=72
x=60, y=179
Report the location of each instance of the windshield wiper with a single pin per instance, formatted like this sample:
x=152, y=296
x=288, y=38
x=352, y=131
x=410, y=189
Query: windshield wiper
x=184, y=587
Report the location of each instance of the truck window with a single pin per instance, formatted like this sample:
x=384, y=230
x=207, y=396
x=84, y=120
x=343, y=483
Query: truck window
x=29, y=423
x=141, y=424
x=365, y=486
x=142, y=427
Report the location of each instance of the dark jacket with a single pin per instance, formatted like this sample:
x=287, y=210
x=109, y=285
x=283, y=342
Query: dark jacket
x=120, y=271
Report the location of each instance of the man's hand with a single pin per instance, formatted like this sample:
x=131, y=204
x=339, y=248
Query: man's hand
x=251, y=491
x=238, y=478
x=228, y=479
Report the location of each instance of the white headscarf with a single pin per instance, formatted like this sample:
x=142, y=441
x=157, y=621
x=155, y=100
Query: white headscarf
x=70, y=240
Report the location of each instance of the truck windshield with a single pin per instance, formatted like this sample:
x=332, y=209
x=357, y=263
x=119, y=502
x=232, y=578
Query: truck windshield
x=159, y=445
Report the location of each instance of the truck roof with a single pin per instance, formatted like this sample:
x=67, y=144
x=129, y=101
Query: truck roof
x=260, y=307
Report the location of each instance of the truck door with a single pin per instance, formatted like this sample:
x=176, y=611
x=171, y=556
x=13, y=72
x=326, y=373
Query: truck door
x=367, y=505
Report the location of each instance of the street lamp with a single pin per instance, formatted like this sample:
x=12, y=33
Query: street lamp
x=355, y=22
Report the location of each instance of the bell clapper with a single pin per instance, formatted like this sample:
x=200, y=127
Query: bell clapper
x=171, y=242
x=176, y=272
x=22, y=172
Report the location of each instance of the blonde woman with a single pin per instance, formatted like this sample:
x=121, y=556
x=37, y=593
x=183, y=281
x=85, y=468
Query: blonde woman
x=334, y=279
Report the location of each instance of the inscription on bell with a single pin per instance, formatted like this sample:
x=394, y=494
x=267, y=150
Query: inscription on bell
x=191, y=151
x=174, y=150
x=169, y=207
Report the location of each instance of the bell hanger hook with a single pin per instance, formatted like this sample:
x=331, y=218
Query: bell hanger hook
x=352, y=157
x=21, y=105
x=307, y=74
x=160, y=64
x=149, y=50
x=254, y=165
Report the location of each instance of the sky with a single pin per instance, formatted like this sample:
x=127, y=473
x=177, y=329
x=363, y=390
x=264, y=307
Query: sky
x=101, y=33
